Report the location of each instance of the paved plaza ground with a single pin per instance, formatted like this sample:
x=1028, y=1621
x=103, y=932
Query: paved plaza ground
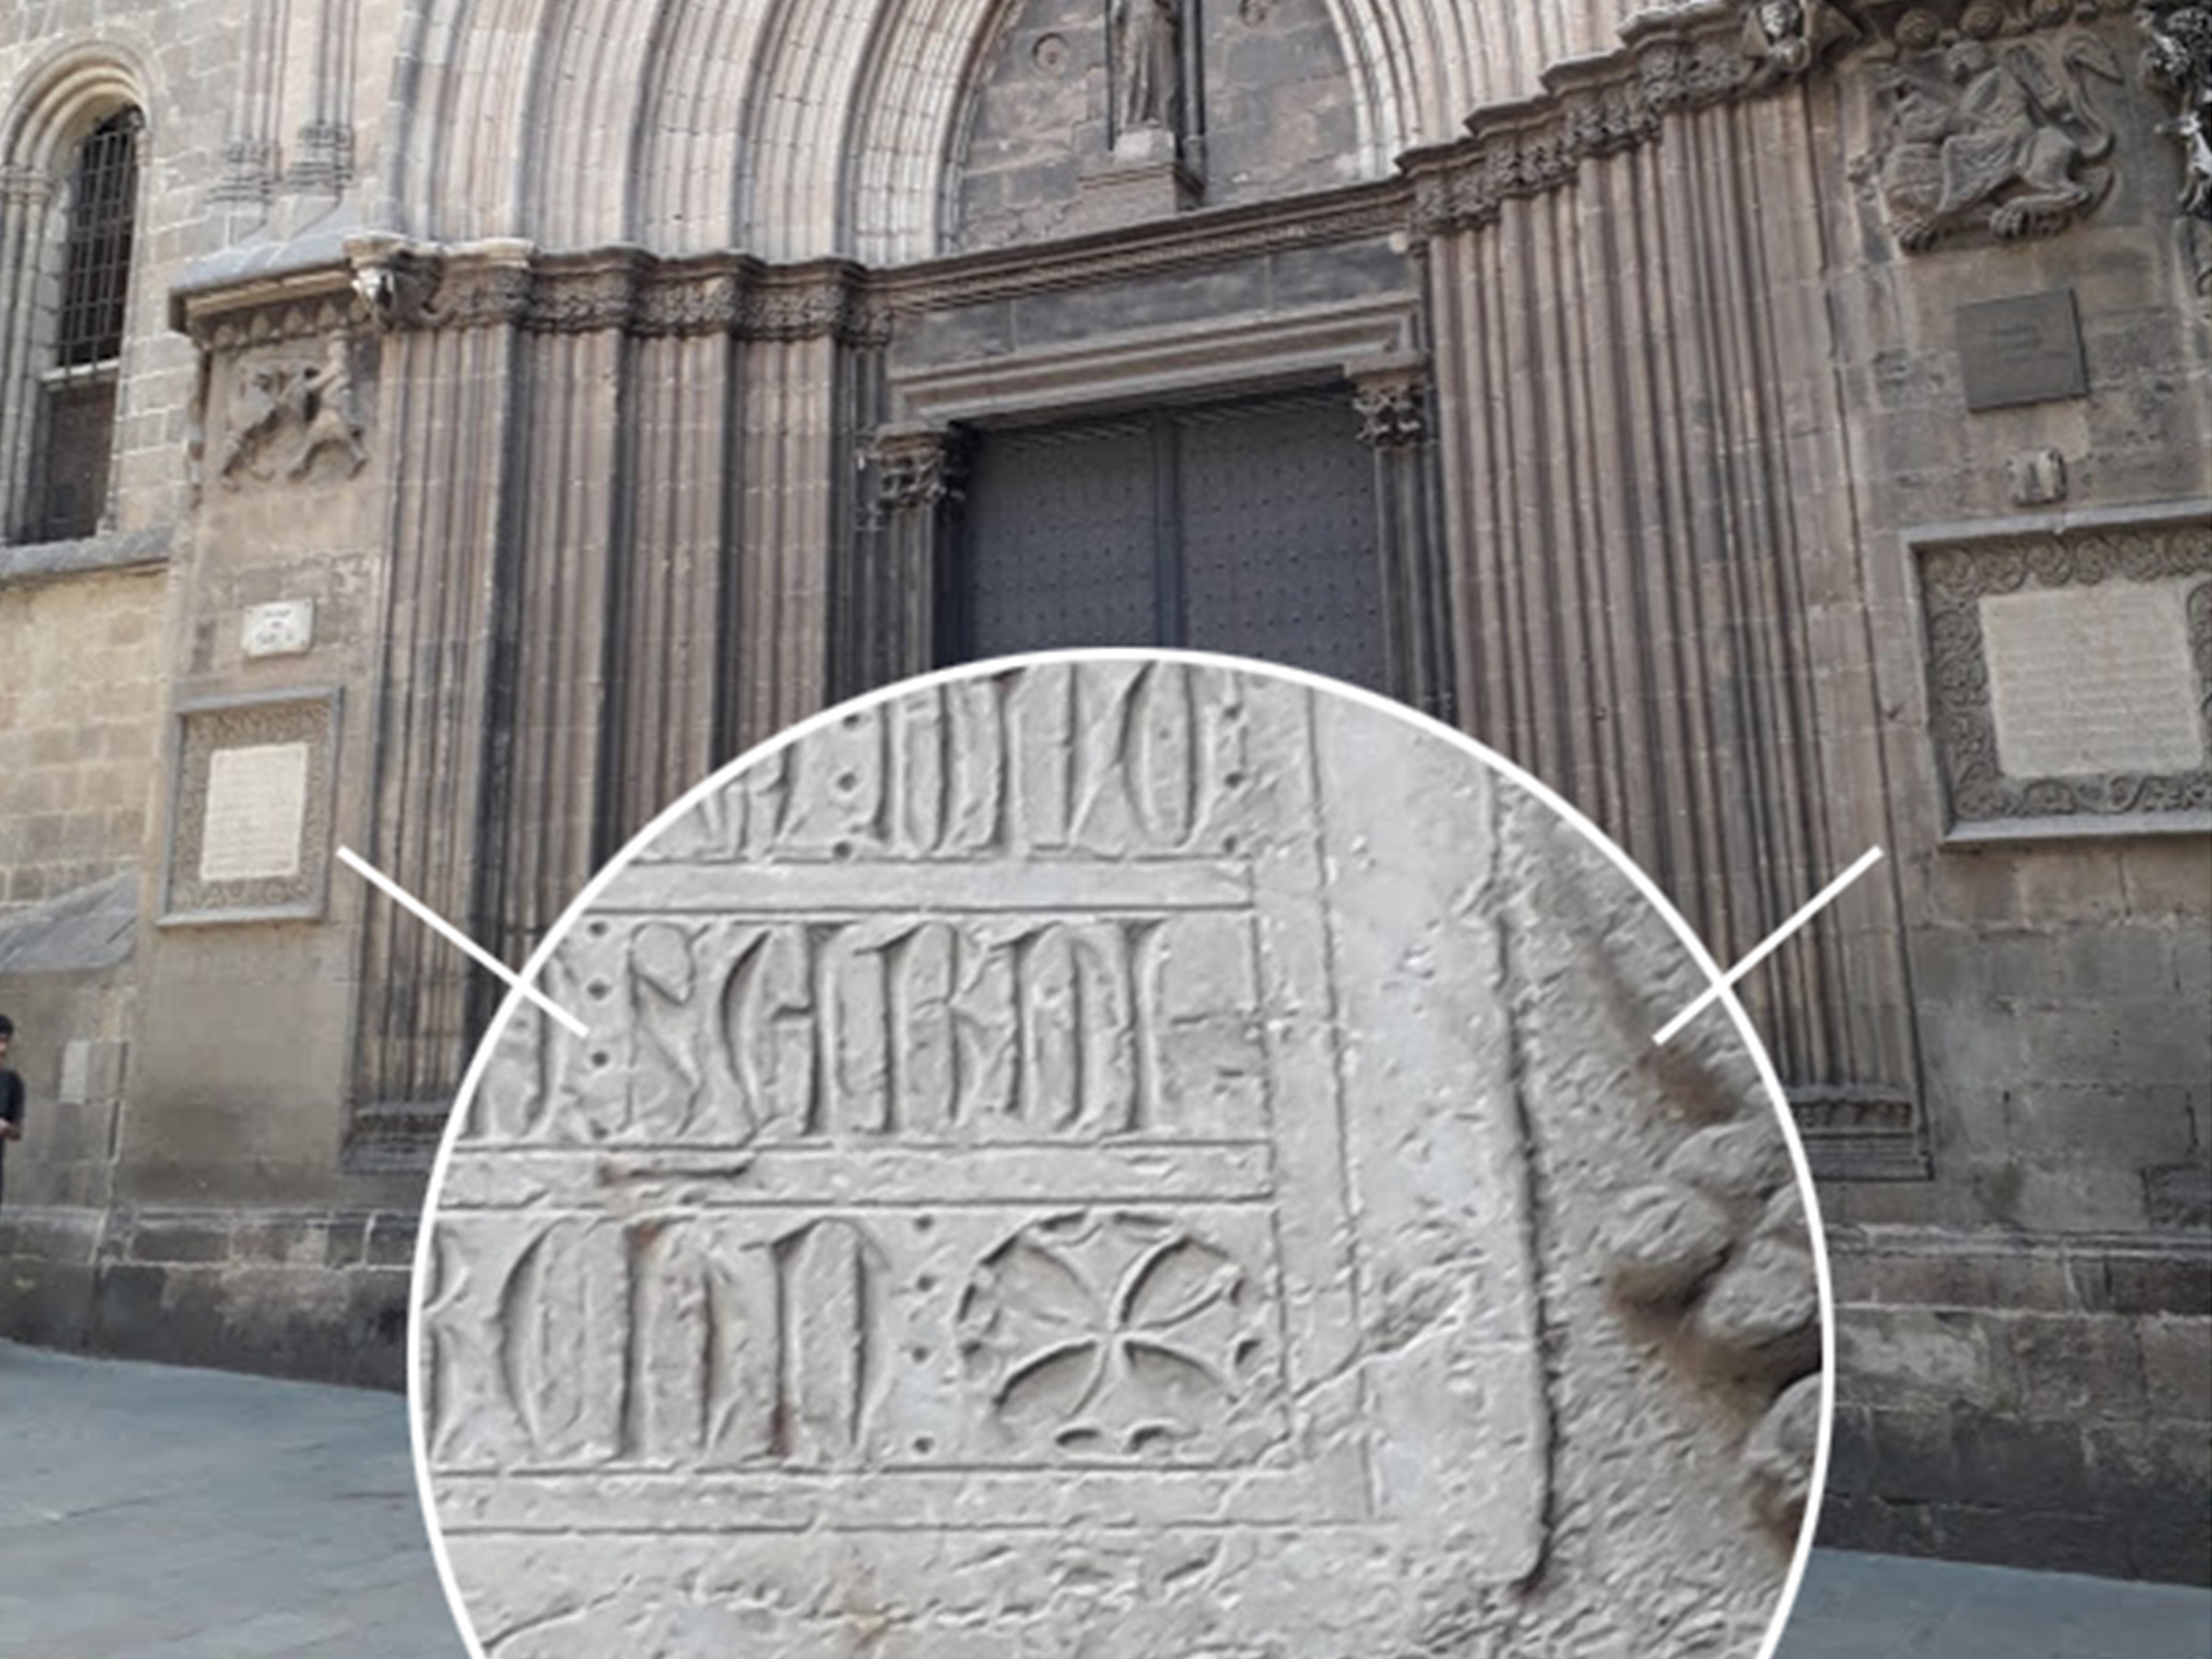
x=147, y=1513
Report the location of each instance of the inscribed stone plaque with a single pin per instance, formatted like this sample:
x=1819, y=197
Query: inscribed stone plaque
x=256, y=814
x=2070, y=679
x=2086, y=680
x=249, y=827
x=2021, y=350
x=1047, y=1173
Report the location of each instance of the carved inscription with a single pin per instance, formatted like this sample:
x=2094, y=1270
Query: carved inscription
x=2088, y=681
x=256, y=813
x=963, y=1172
x=977, y=1028
x=1123, y=760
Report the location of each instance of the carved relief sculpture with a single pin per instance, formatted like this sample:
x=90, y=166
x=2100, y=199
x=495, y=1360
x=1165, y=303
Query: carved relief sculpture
x=2178, y=62
x=284, y=415
x=1052, y=1168
x=1784, y=39
x=2006, y=141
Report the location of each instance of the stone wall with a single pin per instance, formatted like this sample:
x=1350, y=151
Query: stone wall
x=82, y=682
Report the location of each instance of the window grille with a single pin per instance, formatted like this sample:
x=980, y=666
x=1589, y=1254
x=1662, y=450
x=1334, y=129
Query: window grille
x=96, y=266
x=77, y=425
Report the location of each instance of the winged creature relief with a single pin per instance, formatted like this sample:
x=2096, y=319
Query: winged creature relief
x=2008, y=142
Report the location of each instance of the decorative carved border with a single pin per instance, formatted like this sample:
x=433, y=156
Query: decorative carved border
x=310, y=717
x=1958, y=569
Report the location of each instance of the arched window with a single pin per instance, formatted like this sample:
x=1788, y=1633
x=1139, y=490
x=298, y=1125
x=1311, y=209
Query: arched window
x=76, y=406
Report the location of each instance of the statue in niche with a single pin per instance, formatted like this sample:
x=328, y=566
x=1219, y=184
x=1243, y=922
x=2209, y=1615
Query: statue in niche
x=1148, y=37
x=2007, y=144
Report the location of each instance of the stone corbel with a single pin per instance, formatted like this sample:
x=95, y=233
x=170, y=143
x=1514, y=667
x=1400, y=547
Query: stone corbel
x=395, y=278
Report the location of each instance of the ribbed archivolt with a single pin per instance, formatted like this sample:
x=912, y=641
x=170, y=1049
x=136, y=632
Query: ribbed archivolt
x=798, y=130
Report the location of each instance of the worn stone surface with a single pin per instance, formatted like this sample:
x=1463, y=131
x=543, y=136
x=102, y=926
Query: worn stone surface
x=1057, y=1163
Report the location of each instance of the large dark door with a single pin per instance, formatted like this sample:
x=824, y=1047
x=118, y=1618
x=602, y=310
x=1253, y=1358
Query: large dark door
x=1248, y=528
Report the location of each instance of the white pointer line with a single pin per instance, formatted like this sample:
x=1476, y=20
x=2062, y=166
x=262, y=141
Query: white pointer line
x=1819, y=903
x=424, y=914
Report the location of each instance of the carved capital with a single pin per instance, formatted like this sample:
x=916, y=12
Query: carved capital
x=919, y=469
x=1392, y=401
x=812, y=303
x=22, y=186
x=485, y=285
x=588, y=298
x=687, y=301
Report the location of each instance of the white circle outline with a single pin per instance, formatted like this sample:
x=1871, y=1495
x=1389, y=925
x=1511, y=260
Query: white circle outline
x=1815, y=1231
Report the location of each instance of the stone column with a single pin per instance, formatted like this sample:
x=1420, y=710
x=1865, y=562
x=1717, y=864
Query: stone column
x=921, y=477
x=1390, y=397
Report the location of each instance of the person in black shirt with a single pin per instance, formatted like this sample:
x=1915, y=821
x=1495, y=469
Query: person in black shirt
x=11, y=1096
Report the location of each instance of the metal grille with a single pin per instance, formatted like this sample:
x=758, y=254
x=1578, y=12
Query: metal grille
x=81, y=424
x=96, y=266
x=1248, y=528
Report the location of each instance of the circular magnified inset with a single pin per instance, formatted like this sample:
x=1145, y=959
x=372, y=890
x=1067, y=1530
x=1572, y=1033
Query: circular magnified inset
x=1127, y=1155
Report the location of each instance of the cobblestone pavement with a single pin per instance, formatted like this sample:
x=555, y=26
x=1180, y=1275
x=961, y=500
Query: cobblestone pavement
x=149, y=1513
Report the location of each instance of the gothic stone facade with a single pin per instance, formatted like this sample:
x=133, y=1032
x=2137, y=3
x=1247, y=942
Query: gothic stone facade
x=449, y=428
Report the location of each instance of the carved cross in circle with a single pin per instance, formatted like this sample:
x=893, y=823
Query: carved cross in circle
x=1111, y=1335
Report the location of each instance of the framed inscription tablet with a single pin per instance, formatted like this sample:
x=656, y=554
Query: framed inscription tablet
x=250, y=816
x=2070, y=678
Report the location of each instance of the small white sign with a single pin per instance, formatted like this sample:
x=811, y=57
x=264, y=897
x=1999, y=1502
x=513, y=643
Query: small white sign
x=284, y=628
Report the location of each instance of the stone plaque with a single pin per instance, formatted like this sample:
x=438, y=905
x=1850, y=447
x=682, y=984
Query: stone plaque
x=2087, y=680
x=2070, y=679
x=255, y=813
x=1049, y=1173
x=250, y=836
x=2021, y=350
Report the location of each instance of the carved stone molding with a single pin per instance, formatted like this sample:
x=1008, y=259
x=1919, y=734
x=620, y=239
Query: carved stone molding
x=2165, y=571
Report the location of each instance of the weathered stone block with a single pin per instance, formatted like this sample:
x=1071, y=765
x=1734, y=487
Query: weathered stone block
x=2077, y=1368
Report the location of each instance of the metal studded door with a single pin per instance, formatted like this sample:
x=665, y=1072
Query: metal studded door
x=1247, y=528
